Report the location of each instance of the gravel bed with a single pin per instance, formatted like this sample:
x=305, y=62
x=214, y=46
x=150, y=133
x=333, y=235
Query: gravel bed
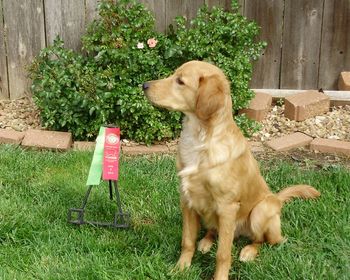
x=19, y=114
x=335, y=124
x=22, y=114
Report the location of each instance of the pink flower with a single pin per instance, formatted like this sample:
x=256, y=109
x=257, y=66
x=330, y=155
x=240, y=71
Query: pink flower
x=152, y=42
x=140, y=45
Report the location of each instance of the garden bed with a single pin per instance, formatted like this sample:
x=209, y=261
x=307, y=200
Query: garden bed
x=22, y=114
x=334, y=124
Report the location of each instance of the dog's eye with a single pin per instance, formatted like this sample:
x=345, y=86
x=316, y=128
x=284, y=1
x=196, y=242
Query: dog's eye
x=179, y=81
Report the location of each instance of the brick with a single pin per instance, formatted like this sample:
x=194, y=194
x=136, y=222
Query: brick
x=330, y=146
x=42, y=139
x=258, y=106
x=9, y=136
x=289, y=142
x=305, y=105
x=84, y=146
x=344, y=81
x=145, y=150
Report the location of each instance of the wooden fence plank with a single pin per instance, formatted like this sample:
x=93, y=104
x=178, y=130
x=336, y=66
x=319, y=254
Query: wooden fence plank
x=91, y=12
x=269, y=15
x=25, y=38
x=65, y=18
x=219, y=3
x=4, y=91
x=187, y=8
x=174, y=8
x=192, y=7
x=335, y=45
x=301, y=43
x=226, y=4
x=242, y=6
x=308, y=59
x=158, y=7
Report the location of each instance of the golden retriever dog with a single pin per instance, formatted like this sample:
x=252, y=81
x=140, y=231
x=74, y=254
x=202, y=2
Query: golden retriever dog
x=220, y=179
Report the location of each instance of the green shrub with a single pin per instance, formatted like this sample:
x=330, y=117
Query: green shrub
x=64, y=91
x=80, y=93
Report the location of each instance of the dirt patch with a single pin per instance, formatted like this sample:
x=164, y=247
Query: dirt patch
x=304, y=158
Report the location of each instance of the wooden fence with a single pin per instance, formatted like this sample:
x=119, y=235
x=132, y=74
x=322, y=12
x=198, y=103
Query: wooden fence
x=308, y=40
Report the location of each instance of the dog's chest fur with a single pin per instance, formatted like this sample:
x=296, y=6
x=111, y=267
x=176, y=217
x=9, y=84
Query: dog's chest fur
x=190, y=146
x=193, y=155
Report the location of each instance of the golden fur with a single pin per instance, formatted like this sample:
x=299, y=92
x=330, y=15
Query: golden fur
x=220, y=179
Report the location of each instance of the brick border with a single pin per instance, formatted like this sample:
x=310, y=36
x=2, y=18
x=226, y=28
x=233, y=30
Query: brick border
x=258, y=106
x=330, y=146
x=290, y=141
x=302, y=106
x=62, y=141
x=337, y=97
x=50, y=140
x=44, y=139
x=280, y=144
x=11, y=136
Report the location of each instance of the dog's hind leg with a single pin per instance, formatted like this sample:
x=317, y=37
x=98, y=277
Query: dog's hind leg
x=249, y=252
x=207, y=241
x=265, y=225
x=273, y=231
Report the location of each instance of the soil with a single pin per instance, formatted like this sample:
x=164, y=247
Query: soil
x=305, y=158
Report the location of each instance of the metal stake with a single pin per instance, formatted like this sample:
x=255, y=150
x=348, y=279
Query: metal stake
x=121, y=219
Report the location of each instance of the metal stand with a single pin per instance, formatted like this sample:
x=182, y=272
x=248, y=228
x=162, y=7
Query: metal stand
x=121, y=219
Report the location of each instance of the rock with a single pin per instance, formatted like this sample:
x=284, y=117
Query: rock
x=335, y=122
x=19, y=114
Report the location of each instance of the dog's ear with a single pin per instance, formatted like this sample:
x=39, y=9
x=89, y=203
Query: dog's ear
x=210, y=97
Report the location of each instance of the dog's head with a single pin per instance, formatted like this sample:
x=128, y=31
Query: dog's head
x=196, y=87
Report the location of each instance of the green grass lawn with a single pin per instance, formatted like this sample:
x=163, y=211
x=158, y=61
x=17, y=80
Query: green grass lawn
x=36, y=242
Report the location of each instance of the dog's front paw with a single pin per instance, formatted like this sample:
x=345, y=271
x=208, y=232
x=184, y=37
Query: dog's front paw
x=184, y=262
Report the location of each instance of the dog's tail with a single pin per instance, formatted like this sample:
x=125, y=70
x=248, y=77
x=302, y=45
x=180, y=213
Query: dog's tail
x=302, y=191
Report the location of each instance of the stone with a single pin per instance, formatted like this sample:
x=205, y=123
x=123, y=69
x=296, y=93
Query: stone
x=43, y=139
x=344, y=81
x=289, y=142
x=258, y=106
x=305, y=105
x=330, y=146
x=8, y=136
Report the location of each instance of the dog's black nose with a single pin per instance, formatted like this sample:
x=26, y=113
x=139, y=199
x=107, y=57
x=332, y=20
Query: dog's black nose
x=145, y=86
